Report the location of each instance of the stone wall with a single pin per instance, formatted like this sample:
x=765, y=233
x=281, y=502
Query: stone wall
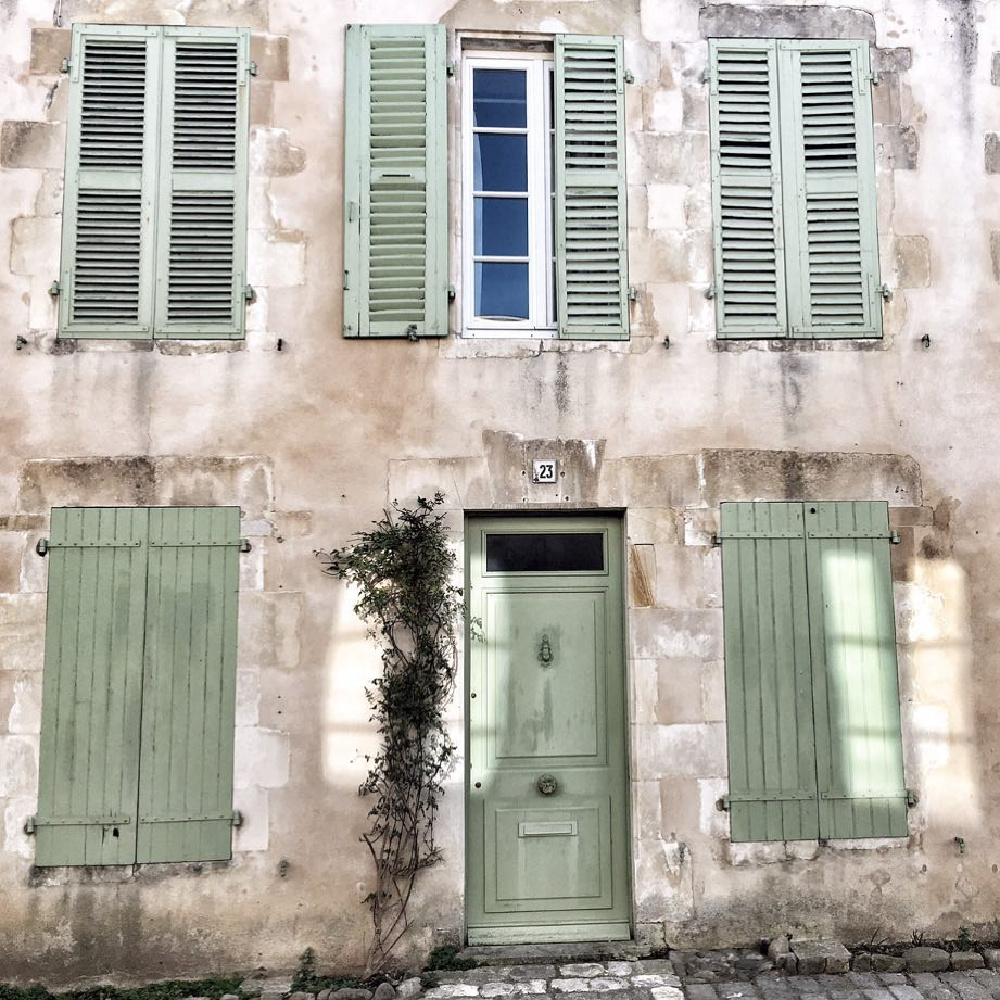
x=314, y=438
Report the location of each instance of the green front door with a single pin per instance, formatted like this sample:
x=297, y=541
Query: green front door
x=547, y=828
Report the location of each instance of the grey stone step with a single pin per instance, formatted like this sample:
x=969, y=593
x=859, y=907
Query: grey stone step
x=547, y=954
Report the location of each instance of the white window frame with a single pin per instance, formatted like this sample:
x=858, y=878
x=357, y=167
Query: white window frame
x=541, y=321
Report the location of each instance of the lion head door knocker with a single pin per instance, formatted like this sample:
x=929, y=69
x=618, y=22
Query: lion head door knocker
x=545, y=654
x=547, y=784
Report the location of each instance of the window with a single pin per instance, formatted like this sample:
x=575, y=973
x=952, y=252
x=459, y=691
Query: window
x=139, y=689
x=544, y=229
x=154, y=230
x=812, y=698
x=793, y=183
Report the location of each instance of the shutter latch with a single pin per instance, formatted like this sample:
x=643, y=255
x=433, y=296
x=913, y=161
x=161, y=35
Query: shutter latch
x=29, y=826
x=451, y=293
x=249, y=295
x=633, y=294
x=66, y=66
x=245, y=545
x=723, y=804
x=874, y=78
x=449, y=68
x=911, y=798
x=628, y=76
x=411, y=332
x=711, y=291
x=237, y=818
x=886, y=292
x=55, y=288
x=42, y=546
x=252, y=68
x=894, y=538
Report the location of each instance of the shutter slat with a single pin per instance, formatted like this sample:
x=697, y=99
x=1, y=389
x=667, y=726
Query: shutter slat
x=189, y=686
x=746, y=175
x=590, y=208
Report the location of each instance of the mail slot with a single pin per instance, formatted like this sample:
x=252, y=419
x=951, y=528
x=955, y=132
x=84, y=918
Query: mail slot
x=566, y=828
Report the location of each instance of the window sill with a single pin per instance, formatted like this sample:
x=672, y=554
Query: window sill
x=63, y=875
x=508, y=347
x=782, y=345
x=169, y=348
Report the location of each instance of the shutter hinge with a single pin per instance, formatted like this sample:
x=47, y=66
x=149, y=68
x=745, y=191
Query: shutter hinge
x=55, y=288
x=451, y=293
x=711, y=291
x=628, y=76
x=237, y=818
x=911, y=798
x=66, y=66
x=723, y=804
x=252, y=68
x=29, y=826
x=716, y=540
x=411, y=332
x=894, y=538
x=249, y=295
x=874, y=78
x=245, y=545
x=704, y=76
x=449, y=68
x=633, y=294
x=886, y=292
x=42, y=546
x=347, y=279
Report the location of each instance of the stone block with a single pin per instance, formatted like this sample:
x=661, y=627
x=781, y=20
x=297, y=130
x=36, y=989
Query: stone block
x=241, y=13
x=270, y=53
x=35, y=245
x=778, y=946
x=262, y=758
x=582, y=969
x=689, y=750
x=661, y=633
x=32, y=144
x=888, y=963
x=642, y=576
x=262, y=105
x=671, y=157
x=679, y=696
x=963, y=961
x=885, y=100
x=734, y=20
x=667, y=993
x=666, y=206
x=648, y=481
x=273, y=155
x=898, y=146
x=662, y=110
x=892, y=60
x=913, y=261
x=824, y=955
x=926, y=960
x=991, y=956
x=995, y=254
x=49, y=47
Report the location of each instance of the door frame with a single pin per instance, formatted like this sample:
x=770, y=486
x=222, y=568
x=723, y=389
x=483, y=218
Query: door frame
x=619, y=516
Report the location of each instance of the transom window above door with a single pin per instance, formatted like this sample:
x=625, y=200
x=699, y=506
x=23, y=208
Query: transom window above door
x=508, y=196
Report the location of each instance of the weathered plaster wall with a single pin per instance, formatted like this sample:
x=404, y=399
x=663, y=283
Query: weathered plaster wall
x=311, y=441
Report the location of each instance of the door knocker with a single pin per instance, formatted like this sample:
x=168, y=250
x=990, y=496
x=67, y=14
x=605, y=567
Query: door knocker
x=545, y=651
x=547, y=784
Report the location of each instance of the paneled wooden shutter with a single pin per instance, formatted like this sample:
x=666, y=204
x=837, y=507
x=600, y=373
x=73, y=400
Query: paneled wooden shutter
x=395, y=182
x=92, y=687
x=747, y=189
x=110, y=183
x=829, y=151
x=812, y=698
x=855, y=684
x=769, y=711
x=189, y=685
x=201, y=245
x=591, y=231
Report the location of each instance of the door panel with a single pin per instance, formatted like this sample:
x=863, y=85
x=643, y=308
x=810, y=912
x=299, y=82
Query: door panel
x=547, y=830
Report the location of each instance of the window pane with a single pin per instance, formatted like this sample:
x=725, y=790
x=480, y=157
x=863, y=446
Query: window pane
x=500, y=162
x=499, y=98
x=545, y=552
x=502, y=227
x=502, y=290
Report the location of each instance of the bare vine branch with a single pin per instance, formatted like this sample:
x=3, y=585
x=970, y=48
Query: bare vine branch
x=403, y=568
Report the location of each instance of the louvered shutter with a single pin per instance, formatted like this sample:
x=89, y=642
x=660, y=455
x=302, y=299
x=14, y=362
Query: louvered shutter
x=772, y=763
x=110, y=183
x=395, y=182
x=747, y=189
x=189, y=685
x=92, y=687
x=831, y=234
x=201, y=242
x=855, y=685
x=591, y=231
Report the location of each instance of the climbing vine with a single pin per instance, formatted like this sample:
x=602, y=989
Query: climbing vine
x=402, y=568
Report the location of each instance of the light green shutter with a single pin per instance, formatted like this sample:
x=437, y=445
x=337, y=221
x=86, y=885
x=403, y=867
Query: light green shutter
x=201, y=241
x=110, y=183
x=591, y=228
x=828, y=149
x=89, y=756
x=855, y=686
x=747, y=189
x=189, y=685
x=395, y=182
x=772, y=765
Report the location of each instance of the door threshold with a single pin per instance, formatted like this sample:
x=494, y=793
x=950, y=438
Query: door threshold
x=542, y=952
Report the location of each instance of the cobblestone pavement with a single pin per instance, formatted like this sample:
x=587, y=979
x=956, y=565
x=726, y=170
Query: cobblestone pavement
x=655, y=980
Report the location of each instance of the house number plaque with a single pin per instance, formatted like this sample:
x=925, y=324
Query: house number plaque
x=543, y=470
